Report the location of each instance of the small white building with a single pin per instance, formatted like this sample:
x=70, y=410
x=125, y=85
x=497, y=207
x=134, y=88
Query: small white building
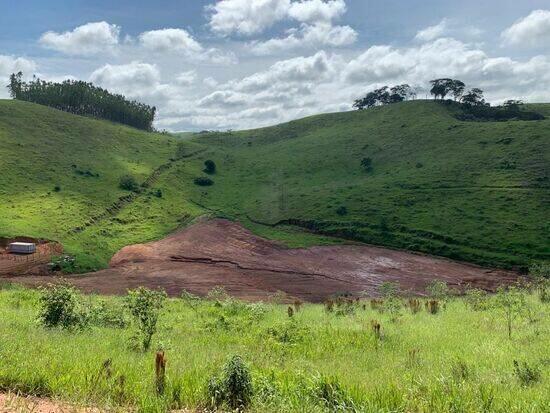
x=22, y=247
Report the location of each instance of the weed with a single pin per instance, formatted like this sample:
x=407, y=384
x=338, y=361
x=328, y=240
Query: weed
x=61, y=306
x=527, y=374
x=145, y=306
x=234, y=387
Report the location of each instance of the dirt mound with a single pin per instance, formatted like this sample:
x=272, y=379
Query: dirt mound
x=223, y=253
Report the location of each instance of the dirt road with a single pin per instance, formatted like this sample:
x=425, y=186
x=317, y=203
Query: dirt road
x=223, y=253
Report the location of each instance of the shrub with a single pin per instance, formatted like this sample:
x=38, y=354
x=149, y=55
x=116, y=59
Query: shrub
x=128, y=183
x=60, y=306
x=526, y=374
x=342, y=210
x=541, y=276
x=477, y=299
x=63, y=263
x=145, y=306
x=331, y=394
x=203, y=181
x=234, y=387
x=512, y=304
x=438, y=290
x=366, y=163
x=209, y=167
x=57, y=188
x=107, y=315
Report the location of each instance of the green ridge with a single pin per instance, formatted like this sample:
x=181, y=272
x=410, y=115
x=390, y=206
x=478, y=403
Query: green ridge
x=475, y=191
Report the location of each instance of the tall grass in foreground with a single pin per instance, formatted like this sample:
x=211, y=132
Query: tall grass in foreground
x=345, y=356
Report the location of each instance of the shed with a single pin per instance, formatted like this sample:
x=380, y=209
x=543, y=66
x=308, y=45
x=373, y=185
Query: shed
x=22, y=247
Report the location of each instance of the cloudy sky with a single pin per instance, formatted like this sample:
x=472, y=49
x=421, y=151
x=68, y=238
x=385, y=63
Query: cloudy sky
x=232, y=64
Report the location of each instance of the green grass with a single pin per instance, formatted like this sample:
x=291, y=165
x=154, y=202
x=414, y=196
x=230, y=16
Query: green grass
x=474, y=191
x=459, y=360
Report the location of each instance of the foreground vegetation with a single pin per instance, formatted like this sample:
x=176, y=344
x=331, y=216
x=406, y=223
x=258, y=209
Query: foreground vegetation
x=408, y=175
x=386, y=355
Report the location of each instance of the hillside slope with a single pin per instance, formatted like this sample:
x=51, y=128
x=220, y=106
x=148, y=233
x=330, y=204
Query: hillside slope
x=60, y=172
x=475, y=191
x=467, y=190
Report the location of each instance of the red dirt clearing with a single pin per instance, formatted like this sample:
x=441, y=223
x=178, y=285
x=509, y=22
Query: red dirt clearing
x=223, y=253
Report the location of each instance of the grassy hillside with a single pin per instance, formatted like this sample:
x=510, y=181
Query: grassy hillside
x=42, y=148
x=477, y=191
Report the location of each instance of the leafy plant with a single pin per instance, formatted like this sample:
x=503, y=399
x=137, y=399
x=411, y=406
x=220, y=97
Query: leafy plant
x=512, y=304
x=526, y=373
x=60, y=306
x=128, y=183
x=209, y=167
x=203, y=181
x=438, y=290
x=145, y=306
x=234, y=387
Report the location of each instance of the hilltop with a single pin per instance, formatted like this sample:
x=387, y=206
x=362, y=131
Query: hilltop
x=408, y=176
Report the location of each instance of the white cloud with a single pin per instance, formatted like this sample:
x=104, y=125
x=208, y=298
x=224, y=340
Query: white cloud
x=317, y=10
x=433, y=32
x=170, y=40
x=532, y=30
x=134, y=79
x=246, y=17
x=186, y=78
x=88, y=39
x=308, y=37
x=10, y=64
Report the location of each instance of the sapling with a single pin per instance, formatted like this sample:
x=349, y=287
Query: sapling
x=511, y=304
x=145, y=306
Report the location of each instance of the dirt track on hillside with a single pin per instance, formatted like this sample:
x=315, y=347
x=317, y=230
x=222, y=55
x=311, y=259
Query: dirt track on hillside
x=223, y=253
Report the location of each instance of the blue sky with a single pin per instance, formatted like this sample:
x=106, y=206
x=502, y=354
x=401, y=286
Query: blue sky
x=244, y=63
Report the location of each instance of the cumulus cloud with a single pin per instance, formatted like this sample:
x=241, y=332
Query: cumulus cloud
x=246, y=17
x=175, y=40
x=317, y=10
x=533, y=30
x=88, y=39
x=186, y=78
x=432, y=32
x=10, y=64
x=135, y=79
x=308, y=37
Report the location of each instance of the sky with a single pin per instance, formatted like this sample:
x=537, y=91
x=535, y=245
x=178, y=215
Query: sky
x=236, y=64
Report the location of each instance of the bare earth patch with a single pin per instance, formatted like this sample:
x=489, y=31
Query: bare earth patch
x=223, y=253
x=12, y=403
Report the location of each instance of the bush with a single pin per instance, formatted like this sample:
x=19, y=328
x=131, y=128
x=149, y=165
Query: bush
x=342, y=210
x=438, y=290
x=145, y=306
x=331, y=394
x=209, y=167
x=128, y=183
x=203, y=181
x=477, y=299
x=60, y=306
x=63, y=263
x=366, y=163
x=234, y=387
x=526, y=374
x=56, y=188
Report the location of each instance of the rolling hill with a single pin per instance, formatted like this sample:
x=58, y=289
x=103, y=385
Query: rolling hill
x=474, y=191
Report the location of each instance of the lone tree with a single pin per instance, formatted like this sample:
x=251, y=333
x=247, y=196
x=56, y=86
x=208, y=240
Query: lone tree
x=15, y=85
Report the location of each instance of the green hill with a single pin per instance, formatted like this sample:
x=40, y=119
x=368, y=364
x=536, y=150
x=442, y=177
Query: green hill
x=476, y=191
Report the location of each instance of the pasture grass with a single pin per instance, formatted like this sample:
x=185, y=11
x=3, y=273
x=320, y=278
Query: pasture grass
x=473, y=191
x=458, y=360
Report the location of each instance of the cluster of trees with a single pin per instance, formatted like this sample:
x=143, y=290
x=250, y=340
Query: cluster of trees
x=82, y=98
x=385, y=96
x=472, y=101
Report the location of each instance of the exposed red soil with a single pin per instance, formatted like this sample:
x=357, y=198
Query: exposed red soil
x=223, y=253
